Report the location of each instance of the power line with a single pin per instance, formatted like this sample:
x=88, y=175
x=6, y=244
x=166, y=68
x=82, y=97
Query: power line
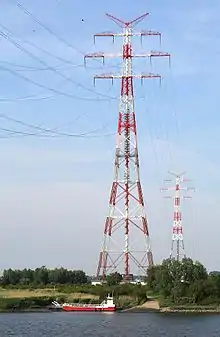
x=22, y=67
x=49, y=30
x=58, y=135
x=49, y=88
x=25, y=98
x=47, y=67
x=17, y=45
x=69, y=62
x=59, y=66
x=49, y=130
x=38, y=127
x=28, y=97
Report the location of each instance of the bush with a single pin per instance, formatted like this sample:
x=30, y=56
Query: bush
x=25, y=303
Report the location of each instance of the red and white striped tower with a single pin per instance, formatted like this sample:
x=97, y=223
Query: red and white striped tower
x=126, y=221
x=177, y=246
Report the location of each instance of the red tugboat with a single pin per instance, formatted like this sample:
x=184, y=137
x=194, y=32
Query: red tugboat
x=106, y=306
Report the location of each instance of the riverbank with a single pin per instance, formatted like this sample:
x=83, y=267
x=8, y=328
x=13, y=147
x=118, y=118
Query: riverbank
x=199, y=309
x=40, y=300
x=154, y=306
x=136, y=309
x=149, y=306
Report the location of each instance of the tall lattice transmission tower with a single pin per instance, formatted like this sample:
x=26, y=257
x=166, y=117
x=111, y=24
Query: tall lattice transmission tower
x=177, y=246
x=126, y=244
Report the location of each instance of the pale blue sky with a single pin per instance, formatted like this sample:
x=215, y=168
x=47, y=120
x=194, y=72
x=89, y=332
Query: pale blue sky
x=54, y=191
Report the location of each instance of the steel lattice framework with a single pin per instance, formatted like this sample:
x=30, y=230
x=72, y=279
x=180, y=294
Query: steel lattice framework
x=177, y=245
x=126, y=221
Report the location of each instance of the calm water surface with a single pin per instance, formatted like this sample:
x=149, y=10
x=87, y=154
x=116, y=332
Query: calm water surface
x=109, y=325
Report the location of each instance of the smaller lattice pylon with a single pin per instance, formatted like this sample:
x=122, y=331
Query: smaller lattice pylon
x=177, y=246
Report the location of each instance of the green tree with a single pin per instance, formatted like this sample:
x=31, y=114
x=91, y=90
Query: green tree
x=113, y=279
x=204, y=290
x=172, y=279
x=43, y=276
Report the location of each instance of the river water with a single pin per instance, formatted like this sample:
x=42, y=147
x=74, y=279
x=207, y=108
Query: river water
x=109, y=325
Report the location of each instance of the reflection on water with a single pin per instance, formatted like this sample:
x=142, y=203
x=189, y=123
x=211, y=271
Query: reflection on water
x=109, y=325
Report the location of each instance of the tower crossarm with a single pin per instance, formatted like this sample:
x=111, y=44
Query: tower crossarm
x=103, y=55
x=148, y=33
x=106, y=34
x=159, y=54
x=141, y=77
x=100, y=55
x=177, y=188
x=141, y=34
x=153, y=53
x=145, y=33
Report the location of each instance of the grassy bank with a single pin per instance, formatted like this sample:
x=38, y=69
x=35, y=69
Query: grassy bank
x=40, y=299
x=36, y=299
x=14, y=299
x=47, y=292
x=166, y=305
x=187, y=308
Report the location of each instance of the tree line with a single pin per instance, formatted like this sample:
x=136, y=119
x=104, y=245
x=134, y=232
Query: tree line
x=60, y=276
x=184, y=282
x=43, y=276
